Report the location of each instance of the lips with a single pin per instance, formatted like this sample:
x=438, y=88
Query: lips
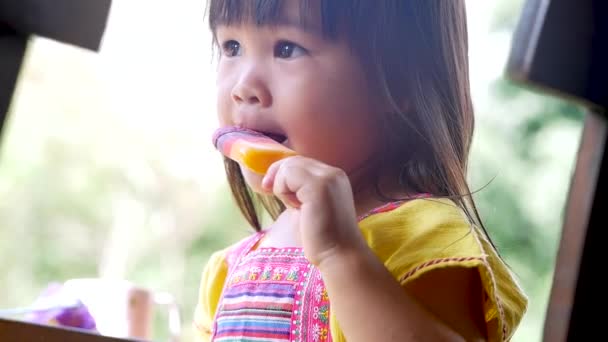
x=278, y=137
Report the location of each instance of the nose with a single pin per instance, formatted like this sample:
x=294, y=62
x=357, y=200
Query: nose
x=251, y=89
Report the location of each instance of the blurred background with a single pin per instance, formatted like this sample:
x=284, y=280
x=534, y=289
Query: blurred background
x=107, y=169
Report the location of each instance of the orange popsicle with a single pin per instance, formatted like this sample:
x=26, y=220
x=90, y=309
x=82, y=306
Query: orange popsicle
x=250, y=148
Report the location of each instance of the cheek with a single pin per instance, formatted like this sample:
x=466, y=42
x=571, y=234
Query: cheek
x=337, y=94
x=333, y=117
x=223, y=102
x=226, y=77
x=334, y=105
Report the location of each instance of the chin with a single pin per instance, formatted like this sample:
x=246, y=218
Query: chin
x=253, y=179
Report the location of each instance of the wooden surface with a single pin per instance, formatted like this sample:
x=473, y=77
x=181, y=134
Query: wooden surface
x=569, y=302
x=12, y=50
x=561, y=47
x=76, y=22
x=25, y=332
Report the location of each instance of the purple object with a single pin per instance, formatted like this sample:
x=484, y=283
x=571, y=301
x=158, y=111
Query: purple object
x=77, y=317
x=57, y=307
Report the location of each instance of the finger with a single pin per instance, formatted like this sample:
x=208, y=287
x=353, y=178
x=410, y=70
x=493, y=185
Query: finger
x=290, y=176
x=269, y=177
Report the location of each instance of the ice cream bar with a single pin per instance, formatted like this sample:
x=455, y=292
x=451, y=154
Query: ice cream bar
x=250, y=148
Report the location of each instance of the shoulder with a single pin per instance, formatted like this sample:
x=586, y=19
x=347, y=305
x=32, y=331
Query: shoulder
x=421, y=230
x=418, y=216
x=213, y=278
x=221, y=260
x=430, y=238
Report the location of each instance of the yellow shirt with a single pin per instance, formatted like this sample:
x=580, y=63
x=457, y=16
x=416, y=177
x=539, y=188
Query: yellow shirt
x=417, y=237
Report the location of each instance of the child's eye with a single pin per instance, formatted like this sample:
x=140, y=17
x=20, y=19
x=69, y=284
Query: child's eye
x=285, y=49
x=231, y=48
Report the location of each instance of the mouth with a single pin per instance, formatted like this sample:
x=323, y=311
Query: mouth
x=280, y=138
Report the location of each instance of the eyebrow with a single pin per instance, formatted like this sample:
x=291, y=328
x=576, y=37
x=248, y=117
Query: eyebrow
x=298, y=24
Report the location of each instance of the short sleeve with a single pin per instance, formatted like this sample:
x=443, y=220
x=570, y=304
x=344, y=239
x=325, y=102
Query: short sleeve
x=428, y=234
x=211, y=286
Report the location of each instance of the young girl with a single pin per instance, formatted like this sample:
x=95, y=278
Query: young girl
x=375, y=236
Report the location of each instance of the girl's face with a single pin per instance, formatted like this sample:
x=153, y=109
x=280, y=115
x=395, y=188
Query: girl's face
x=289, y=80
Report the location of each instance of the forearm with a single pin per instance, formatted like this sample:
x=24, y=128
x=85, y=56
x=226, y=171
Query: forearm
x=370, y=305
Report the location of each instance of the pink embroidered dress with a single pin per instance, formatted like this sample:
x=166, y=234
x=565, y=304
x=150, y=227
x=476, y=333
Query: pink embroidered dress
x=251, y=293
x=272, y=294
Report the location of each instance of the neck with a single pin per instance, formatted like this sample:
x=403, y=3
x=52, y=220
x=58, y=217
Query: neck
x=373, y=189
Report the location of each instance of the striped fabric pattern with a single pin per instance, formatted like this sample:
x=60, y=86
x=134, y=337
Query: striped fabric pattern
x=271, y=294
x=256, y=311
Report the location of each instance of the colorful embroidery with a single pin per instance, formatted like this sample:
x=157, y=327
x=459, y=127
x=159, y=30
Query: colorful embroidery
x=267, y=272
x=270, y=297
x=321, y=313
x=320, y=310
x=319, y=333
x=248, y=311
x=293, y=273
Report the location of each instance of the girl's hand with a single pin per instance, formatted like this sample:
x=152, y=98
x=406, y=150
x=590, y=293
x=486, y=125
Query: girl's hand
x=324, y=207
